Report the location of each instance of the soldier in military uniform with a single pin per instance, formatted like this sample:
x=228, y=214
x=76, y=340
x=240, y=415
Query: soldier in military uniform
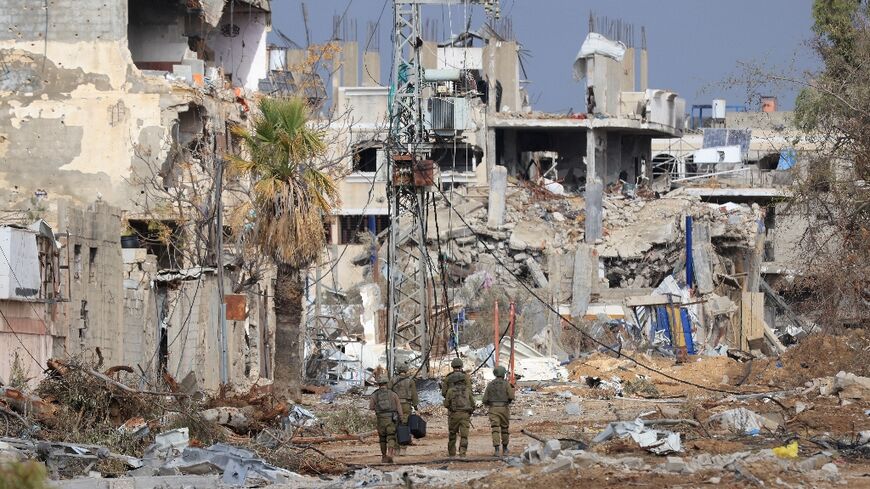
x=459, y=401
x=498, y=396
x=386, y=405
x=405, y=387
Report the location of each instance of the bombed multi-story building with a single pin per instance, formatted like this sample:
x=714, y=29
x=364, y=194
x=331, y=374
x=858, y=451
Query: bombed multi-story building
x=106, y=109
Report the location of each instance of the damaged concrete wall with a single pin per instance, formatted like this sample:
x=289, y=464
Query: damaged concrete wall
x=244, y=56
x=69, y=121
x=94, y=312
x=76, y=114
x=507, y=73
x=192, y=335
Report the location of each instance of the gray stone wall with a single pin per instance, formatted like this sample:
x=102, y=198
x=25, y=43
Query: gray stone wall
x=63, y=21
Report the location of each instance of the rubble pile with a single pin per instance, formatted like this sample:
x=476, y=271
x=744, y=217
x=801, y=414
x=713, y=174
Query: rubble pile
x=83, y=422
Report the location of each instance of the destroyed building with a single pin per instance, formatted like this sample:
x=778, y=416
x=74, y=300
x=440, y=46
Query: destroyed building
x=598, y=229
x=624, y=262
x=105, y=109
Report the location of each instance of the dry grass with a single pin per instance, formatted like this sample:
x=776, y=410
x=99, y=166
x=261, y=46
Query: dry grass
x=348, y=420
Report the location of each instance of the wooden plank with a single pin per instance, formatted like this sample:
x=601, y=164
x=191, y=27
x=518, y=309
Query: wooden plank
x=751, y=318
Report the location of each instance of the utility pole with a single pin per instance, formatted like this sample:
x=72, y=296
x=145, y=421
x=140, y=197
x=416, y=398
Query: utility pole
x=412, y=177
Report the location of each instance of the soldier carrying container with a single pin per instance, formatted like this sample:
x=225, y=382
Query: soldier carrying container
x=405, y=387
x=388, y=409
x=459, y=401
x=498, y=396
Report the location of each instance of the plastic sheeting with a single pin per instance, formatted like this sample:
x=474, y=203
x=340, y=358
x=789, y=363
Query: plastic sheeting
x=787, y=160
x=596, y=44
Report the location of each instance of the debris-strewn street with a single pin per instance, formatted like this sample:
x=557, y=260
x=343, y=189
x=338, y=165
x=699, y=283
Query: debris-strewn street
x=801, y=420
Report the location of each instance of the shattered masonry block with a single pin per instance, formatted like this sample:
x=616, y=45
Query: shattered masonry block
x=560, y=463
x=552, y=449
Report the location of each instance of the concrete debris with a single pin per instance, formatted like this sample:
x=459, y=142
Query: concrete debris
x=559, y=464
x=551, y=449
x=655, y=441
x=300, y=417
x=230, y=416
x=409, y=476
x=171, y=455
x=742, y=420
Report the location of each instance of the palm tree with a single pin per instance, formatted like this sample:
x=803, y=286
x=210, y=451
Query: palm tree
x=284, y=217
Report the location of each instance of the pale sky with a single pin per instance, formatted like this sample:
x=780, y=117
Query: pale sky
x=693, y=44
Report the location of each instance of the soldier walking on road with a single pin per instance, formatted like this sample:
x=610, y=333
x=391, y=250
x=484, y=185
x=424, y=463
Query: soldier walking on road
x=405, y=387
x=459, y=401
x=388, y=409
x=498, y=396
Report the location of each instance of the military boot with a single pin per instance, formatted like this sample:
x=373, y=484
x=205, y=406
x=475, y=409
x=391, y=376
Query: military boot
x=495, y=451
x=504, y=450
x=390, y=453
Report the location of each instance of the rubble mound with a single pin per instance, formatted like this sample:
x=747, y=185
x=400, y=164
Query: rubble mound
x=716, y=372
x=823, y=355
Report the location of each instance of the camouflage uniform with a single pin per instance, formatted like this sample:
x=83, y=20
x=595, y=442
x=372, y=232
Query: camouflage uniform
x=497, y=397
x=405, y=387
x=459, y=401
x=385, y=403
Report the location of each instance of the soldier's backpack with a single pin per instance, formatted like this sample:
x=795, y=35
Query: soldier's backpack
x=384, y=401
x=457, y=396
x=417, y=426
x=498, y=391
x=403, y=388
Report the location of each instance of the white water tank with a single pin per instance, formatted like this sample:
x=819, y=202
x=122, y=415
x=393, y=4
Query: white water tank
x=719, y=109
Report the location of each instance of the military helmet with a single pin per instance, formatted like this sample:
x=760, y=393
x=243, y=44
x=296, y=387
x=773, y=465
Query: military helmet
x=402, y=368
x=456, y=363
x=499, y=371
x=382, y=379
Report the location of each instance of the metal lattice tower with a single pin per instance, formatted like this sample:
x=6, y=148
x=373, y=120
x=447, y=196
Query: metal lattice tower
x=412, y=177
x=408, y=305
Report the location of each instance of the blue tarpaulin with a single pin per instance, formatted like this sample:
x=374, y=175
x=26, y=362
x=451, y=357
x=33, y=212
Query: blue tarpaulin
x=787, y=159
x=661, y=323
x=687, y=331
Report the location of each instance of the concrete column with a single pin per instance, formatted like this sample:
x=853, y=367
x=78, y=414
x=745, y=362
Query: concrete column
x=350, y=64
x=594, y=215
x=644, y=70
x=596, y=151
x=371, y=74
x=497, y=193
x=490, y=149
x=584, y=270
x=629, y=80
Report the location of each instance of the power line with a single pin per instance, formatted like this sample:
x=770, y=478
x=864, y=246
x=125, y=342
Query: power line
x=549, y=306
